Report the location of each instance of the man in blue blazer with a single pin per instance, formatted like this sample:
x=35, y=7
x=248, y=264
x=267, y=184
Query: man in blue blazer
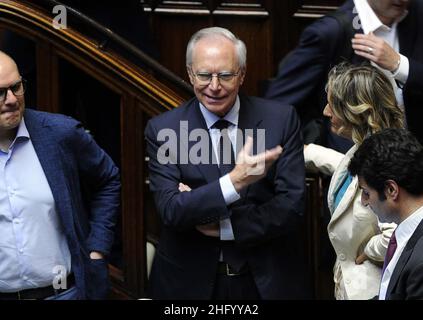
x=392, y=40
x=230, y=231
x=59, y=198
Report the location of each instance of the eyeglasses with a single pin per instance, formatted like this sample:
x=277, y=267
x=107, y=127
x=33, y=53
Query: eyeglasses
x=204, y=78
x=18, y=89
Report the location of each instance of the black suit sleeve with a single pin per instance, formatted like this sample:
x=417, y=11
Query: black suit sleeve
x=181, y=210
x=414, y=84
x=305, y=70
x=280, y=214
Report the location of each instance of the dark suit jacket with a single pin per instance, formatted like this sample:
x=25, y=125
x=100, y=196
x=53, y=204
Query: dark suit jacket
x=86, y=188
x=265, y=220
x=302, y=80
x=407, y=279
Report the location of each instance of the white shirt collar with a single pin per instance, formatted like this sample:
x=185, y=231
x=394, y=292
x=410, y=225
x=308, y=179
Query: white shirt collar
x=211, y=118
x=369, y=20
x=407, y=227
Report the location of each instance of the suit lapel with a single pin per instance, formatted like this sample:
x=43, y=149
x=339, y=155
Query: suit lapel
x=248, y=119
x=337, y=179
x=48, y=153
x=248, y=122
x=405, y=256
x=405, y=35
x=210, y=169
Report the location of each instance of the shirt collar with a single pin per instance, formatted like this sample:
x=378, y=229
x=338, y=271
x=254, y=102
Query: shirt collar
x=370, y=22
x=21, y=135
x=22, y=130
x=211, y=118
x=406, y=228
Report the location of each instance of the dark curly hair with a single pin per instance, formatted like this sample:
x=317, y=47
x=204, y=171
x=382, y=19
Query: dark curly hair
x=392, y=154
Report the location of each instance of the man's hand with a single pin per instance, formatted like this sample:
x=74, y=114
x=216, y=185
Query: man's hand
x=361, y=258
x=377, y=50
x=183, y=187
x=95, y=255
x=210, y=229
x=249, y=168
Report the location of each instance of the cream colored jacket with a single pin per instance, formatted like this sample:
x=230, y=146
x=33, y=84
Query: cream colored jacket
x=352, y=229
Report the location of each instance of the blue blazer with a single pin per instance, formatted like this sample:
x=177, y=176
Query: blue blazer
x=86, y=188
x=301, y=82
x=266, y=220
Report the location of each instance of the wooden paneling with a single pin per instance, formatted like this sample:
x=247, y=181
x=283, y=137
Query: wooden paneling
x=269, y=28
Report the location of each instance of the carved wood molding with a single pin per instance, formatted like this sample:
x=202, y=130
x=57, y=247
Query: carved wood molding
x=313, y=12
x=255, y=9
x=222, y=8
x=178, y=7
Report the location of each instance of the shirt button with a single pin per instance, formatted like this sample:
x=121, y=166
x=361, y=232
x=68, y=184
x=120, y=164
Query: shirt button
x=332, y=235
x=342, y=257
x=25, y=278
x=16, y=221
x=21, y=251
x=347, y=281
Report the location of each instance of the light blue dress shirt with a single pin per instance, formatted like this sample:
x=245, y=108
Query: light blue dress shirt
x=33, y=247
x=228, y=190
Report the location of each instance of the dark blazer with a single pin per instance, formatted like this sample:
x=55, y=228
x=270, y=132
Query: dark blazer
x=407, y=279
x=86, y=190
x=302, y=79
x=266, y=220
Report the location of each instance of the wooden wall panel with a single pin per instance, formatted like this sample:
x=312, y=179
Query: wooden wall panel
x=270, y=29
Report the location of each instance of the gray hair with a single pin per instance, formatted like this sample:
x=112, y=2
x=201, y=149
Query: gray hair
x=214, y=32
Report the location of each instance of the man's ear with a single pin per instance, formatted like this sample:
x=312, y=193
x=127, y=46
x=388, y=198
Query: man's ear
x=242, y=76
x=391, y=190
x=191, y=77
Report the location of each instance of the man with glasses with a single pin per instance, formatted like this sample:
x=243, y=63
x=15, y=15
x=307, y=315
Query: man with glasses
x=53, y=236
x=230, y=231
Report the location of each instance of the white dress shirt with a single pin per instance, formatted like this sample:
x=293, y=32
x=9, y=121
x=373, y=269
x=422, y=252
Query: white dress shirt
x=228, y=190
x=371, y=23
x=403, y=233
x=33, y=247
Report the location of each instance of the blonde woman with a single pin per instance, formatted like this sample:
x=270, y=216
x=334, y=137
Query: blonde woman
x=361, y=101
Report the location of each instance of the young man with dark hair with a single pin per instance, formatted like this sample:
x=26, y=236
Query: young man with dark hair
x=389, y=166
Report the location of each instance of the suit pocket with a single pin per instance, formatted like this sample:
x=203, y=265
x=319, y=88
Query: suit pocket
x=97, y=279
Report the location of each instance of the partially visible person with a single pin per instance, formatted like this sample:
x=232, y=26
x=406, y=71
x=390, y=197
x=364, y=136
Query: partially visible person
x=361, y=102
x=385, y=33
x=389, y=166
x=59, y=199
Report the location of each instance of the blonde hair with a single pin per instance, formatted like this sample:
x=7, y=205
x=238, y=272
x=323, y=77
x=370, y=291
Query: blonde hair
x=363, y=99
